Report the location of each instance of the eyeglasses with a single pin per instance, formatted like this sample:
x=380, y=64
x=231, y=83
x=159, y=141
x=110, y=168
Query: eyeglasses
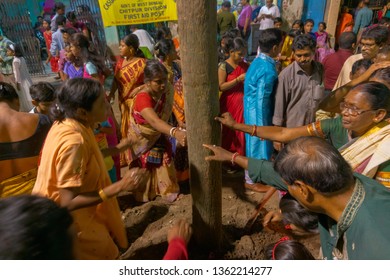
x=368, y=46
x=352, y=111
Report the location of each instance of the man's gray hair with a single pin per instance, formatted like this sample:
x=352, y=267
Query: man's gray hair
x=316, y=163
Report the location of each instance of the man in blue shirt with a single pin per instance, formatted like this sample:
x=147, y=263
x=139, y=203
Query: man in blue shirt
x=259, y=94
x=363, y=17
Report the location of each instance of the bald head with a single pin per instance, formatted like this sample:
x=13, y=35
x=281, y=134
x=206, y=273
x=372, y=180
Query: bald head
x=316, y=163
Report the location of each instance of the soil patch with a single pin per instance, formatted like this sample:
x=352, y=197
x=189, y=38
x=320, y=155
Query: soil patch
x=147, y=224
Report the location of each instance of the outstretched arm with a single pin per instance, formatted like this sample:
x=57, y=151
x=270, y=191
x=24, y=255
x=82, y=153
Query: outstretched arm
x=158, y=124
x=273, y=133
x=220, y=154
x=259, y=170
x=332, y=101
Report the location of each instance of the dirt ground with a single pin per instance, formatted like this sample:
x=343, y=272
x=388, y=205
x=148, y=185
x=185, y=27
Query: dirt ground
x=147, y=225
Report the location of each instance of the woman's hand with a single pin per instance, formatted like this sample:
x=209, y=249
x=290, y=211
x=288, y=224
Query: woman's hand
x=227, y=120
x=271, y=217
x=137, y=90
x=126, y=143
x=241, y=78
x=220, y=154
x=181, y=229
x=377, y=65
x=133, y=179
x=181, y=137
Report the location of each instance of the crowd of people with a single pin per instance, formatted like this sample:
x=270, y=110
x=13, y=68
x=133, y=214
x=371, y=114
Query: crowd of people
x=300, y=85
x=302, y=117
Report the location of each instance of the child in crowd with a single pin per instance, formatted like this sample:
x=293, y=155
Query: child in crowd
x=286, y=54
x=22, y=77
x=107, y=139
x=94, y=66
x=278, y=22
x=286, y=249
x=112, y=139
x=359, y=67
x=323, y=43
x=308, y=27
x=47, y=34
x=73, y=67
x=101, y=130
x=297, y=25
x=43, y=96
x=294, y=216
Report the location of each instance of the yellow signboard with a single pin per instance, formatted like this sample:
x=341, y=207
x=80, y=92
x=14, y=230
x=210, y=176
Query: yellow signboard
x=125, y=12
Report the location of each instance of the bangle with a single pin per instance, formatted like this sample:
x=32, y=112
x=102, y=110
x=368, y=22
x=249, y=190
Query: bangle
x=254, y=130
x=103, y=195
x=234, y=158
x=172, y=131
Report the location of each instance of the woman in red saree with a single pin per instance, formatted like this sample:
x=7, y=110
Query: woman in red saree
x=48, y=38
x=149, y=114
x=231, y=76
x=129, y=73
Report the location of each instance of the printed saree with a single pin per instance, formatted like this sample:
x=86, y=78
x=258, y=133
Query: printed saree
x=153, y=151
x=128, y=78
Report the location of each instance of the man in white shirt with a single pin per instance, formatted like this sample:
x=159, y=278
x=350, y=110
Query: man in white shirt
x=267, y=15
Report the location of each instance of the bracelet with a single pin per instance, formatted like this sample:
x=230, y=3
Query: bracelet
x=103, y=195
x=172, y=131
x=254, y=130
x=234, y=158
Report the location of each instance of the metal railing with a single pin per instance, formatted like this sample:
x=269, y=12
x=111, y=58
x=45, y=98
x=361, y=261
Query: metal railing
x=17, y=26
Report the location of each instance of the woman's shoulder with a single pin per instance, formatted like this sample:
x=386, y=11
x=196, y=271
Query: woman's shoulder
x=67, y=132
x=143, y=95
x=244, y=65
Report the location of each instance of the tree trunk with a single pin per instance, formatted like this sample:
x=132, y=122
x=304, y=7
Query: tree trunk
x=198, y=54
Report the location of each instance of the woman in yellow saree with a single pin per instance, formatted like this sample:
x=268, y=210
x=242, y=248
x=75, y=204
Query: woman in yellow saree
x=129, y=73
x=149, y=114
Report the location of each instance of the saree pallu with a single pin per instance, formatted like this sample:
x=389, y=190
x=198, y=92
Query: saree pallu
x=369, y=151
x=18, y=185
x=152, y=144
x=128, y=78
x=181, y=153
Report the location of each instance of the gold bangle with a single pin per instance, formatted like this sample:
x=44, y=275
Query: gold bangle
x=103, y=195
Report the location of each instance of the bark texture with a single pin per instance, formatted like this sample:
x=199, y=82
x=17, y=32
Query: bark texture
x=198, y=53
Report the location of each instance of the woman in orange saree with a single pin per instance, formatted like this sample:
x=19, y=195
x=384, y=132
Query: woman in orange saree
x=73, y=174
x=129, y=74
